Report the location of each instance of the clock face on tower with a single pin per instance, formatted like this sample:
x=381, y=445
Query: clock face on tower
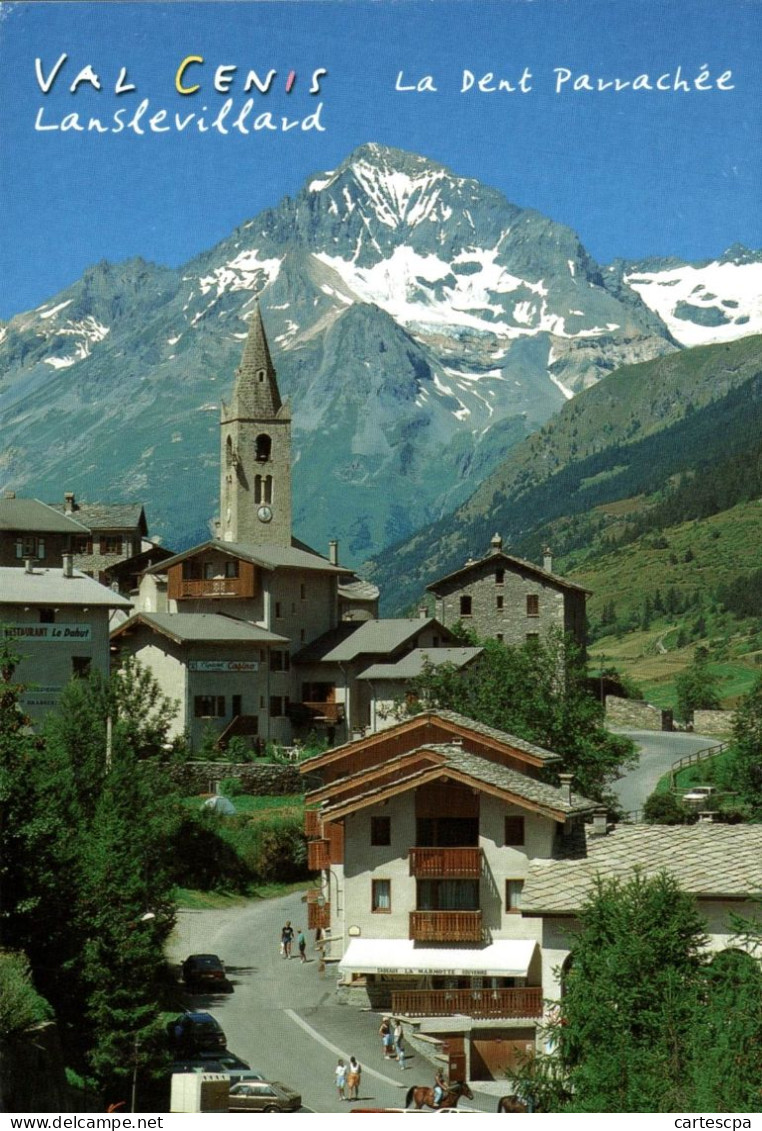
x=264, y=514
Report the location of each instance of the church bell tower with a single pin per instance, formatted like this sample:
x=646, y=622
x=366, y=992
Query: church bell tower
x=255, y=454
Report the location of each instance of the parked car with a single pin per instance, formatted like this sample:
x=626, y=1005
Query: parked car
x=699, y=793
x=193, y=1031
x=263, y=1095
x=205, y=972
x=214, y=1061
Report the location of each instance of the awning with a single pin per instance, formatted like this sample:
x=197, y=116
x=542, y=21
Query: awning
x=505, y=958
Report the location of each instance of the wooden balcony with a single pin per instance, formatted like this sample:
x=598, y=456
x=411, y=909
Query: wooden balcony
x=213, y=587
x=446, y=863
x=312, y=823
x=330, y=712
x=318, y=855
x=318, y=917
x=524, y=1002
x=446, y=926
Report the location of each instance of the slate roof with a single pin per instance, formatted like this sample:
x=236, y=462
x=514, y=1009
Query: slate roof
x=208, y=628
x=33, y=516
x=50, y=587
x=414, y=663
x=266, y=556
x=371, y=637
x=478, y=769
x=706, y=860
x=107, y=516
x=358, y=590
x=509, y=561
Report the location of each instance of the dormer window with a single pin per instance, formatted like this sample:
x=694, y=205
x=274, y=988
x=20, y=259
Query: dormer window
x=262, y=447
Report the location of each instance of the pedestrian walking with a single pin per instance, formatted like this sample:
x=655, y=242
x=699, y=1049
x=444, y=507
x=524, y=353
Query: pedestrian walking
x=341, y=1079
x=354, y=1072
x=301, y=942
x=399, y=1043
x=286, y=939
x=385, y=1033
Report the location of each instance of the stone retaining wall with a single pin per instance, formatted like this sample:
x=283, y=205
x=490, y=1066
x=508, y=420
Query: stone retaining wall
x=258, y=778
x=636, y=714
x=714, y=722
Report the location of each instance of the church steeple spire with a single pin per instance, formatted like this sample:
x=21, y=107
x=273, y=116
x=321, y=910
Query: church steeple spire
x=255, y=463
x=256, y=393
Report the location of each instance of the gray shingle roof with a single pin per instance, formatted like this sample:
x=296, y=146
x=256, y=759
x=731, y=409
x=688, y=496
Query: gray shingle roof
x=33, y=516
x=497, y=735
x=414, y=663
x=478, y=769
x=510, y=562
x=266, y=556
x=107, y=516
x=203, y=627
x=358, y=590
x=706, y=860
x=50, y=587
x=371, y=637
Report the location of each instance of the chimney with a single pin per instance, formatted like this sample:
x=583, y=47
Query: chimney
x=600, y=822
x=496, y=544
x=566, y=784
x=9, y=494
x=547, y=560
x=423, y=613
x=68, y=502
x=333, y=552
x=29, y=565
x=68, y=565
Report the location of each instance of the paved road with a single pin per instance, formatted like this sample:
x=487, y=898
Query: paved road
x=282, y=1017
x=658, y=750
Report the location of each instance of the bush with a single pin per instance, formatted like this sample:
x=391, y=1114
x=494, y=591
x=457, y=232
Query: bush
x=666, y=809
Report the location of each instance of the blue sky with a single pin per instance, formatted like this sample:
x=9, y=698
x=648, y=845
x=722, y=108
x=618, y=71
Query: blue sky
x=635, y=173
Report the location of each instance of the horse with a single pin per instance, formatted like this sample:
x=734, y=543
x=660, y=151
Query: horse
x=512, y=1105
x=424, y=1096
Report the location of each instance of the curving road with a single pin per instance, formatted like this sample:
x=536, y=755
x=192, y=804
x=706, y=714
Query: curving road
x=658, y=750
x=283, y=1018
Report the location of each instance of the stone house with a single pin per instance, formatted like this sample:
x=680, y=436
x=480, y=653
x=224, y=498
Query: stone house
x=509, y=599
x=33, y=531
x=115, y=532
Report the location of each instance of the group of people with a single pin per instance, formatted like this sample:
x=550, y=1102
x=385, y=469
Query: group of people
x=287, y=941
x=348, y=1079
x=393, y=1040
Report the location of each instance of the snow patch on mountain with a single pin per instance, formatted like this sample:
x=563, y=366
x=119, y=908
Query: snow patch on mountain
x=49, y=312
x=246, y=272
x=704, y=304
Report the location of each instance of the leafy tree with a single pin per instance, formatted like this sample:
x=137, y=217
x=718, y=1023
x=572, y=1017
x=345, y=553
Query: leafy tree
x=744, y=770
x=631, y=996
x=696, y=687
x=538, y=692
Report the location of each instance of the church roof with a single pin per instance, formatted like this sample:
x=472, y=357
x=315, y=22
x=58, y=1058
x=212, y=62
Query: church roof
x=255, y=393
x=267, y=557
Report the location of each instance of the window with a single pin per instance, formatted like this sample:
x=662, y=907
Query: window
x=513, y=889
x=303, y=592
x=209, y=706
x=465, y=606
x=279, y=705
x=191, y=570
x=533, y=639
x=80, y=666
x=47, y=616
x=262, y=448
x=111, y=543
x=40, y=548
x=381, y=896
x=499, y=638
x=447, y=895
x=278, y=612
x=237, y=706
x=84, y=545
x=533, y=605
x=514, y=831
x=499, y=601
x=380, y=830
x=499, y=577
x=279, y=661
x=26, y=547
x=231, y=569
x=210, y=571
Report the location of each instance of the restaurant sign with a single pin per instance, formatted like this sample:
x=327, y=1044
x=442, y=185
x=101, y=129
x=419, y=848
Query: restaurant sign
x=61, y=633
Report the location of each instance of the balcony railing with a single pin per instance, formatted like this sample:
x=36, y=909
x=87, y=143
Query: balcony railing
x=445, y=926
x=311, y=823
x=318, y=855
x=213, y=587
x=446, y=863
x=523, y=1002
